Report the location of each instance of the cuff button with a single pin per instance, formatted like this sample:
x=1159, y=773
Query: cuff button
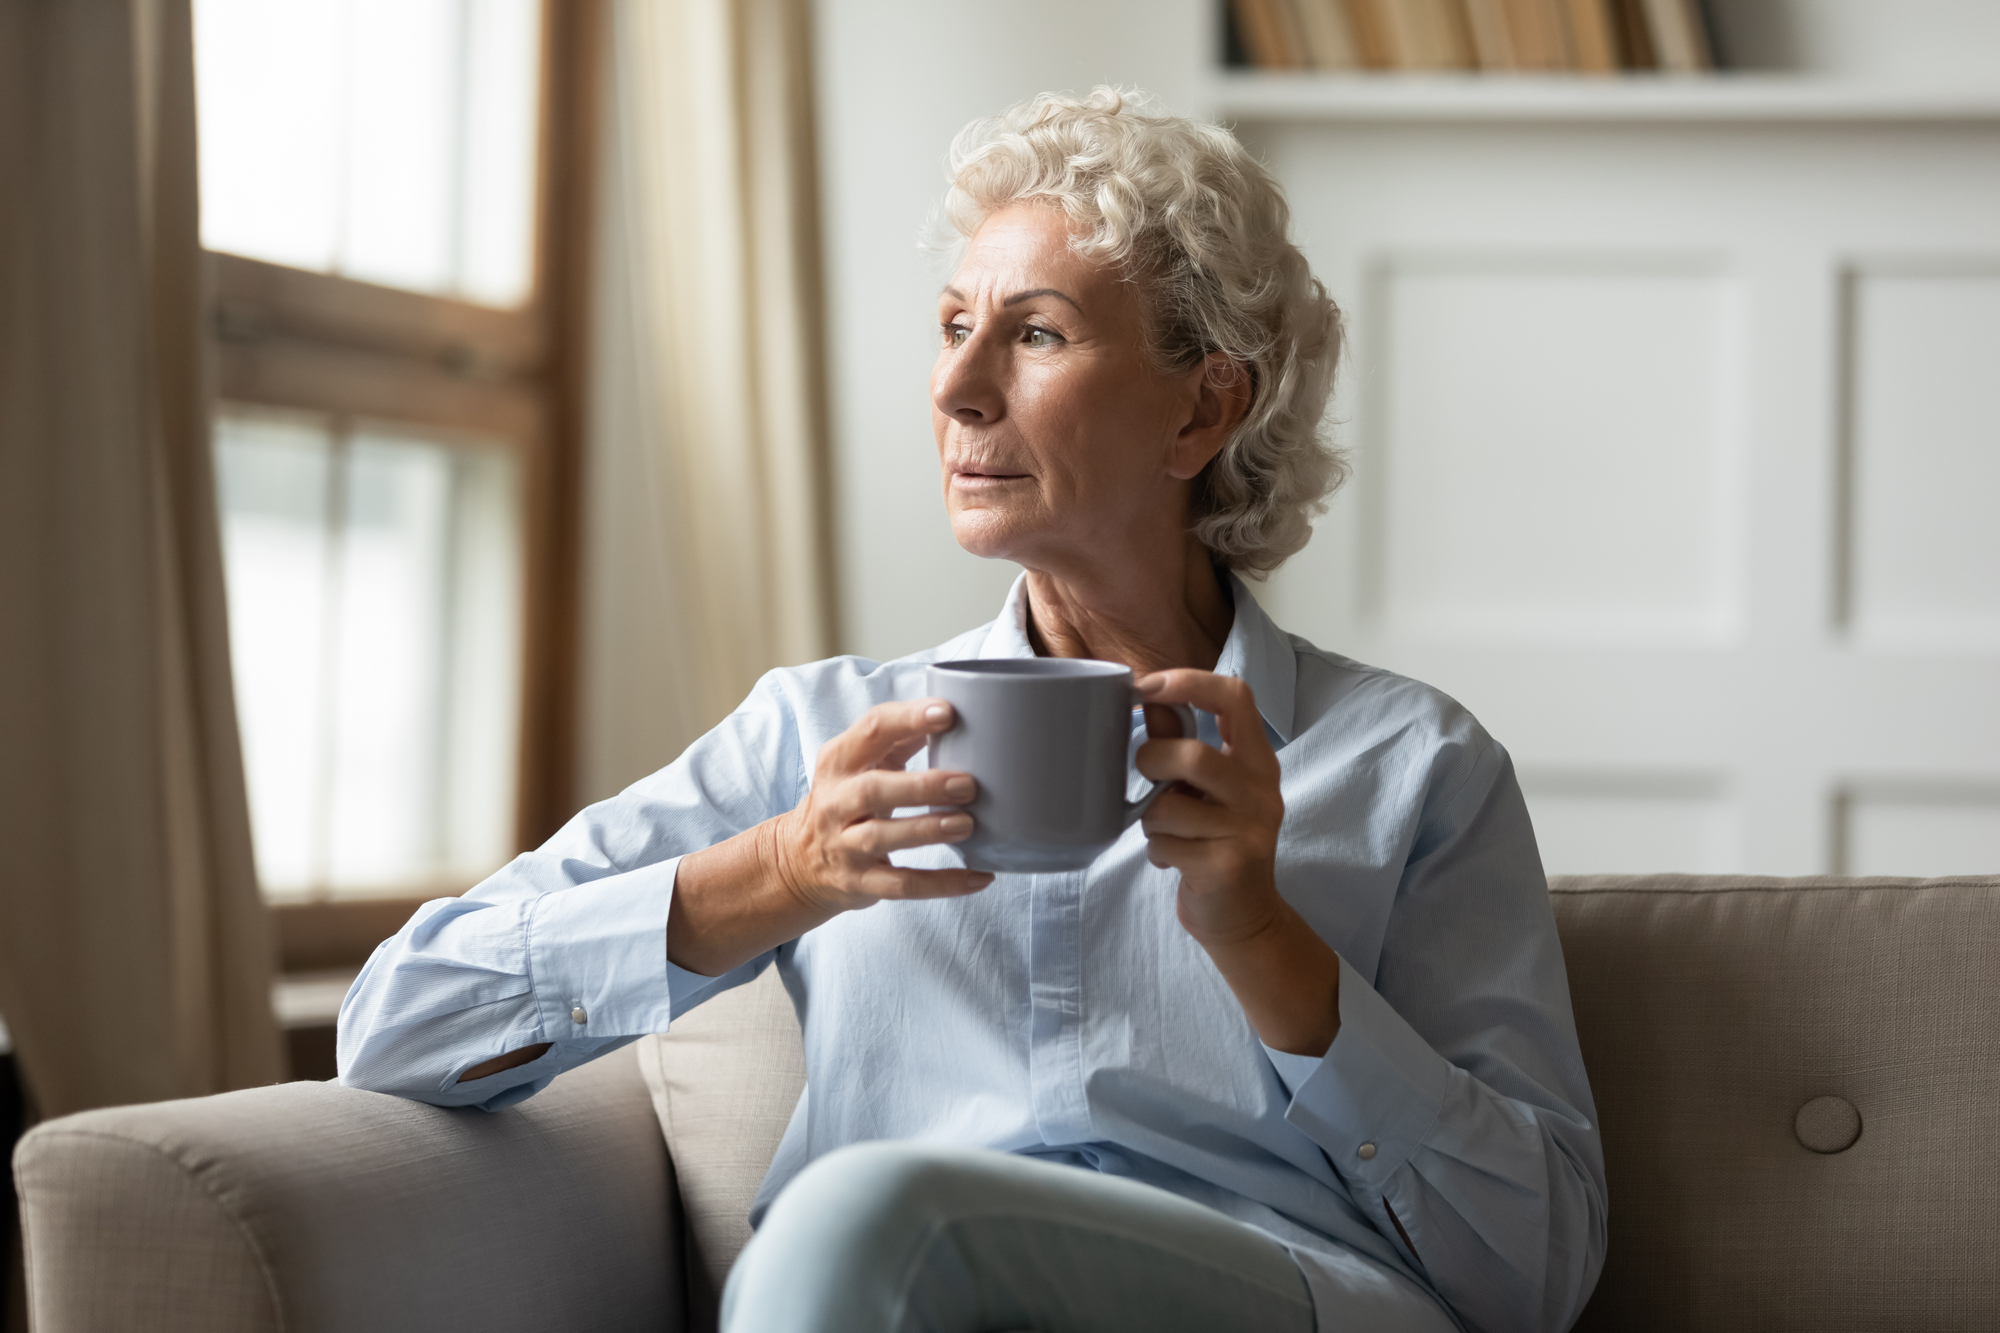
x=1366, y=1152
x=578, y=1017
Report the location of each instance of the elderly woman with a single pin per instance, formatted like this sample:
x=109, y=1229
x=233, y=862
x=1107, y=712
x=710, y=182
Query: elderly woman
x=1295, y=1054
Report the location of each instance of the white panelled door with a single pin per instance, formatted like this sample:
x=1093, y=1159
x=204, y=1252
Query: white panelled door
x=1677, y=449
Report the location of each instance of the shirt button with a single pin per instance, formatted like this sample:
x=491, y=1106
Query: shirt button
x=578, y=1016
x=1366, y=1152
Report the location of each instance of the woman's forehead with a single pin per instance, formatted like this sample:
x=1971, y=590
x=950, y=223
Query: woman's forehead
x=1025, y=249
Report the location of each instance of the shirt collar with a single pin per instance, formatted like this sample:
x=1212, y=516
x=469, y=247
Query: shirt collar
x=1256, y=651
x=1008, y=636
x=1261, y=655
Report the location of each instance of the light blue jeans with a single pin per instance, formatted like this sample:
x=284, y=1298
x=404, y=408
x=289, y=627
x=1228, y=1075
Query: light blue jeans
x=913, y=1238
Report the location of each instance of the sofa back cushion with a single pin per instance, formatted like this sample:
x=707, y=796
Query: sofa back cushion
x=1721, y=1019
x=724, y=1083
x=1799, y=1088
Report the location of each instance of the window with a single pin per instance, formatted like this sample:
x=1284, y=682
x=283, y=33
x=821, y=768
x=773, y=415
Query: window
x=391, y=200
x=387, y=140
x=374, y=583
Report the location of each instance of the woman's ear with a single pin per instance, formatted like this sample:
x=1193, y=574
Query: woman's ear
x=1223, y=388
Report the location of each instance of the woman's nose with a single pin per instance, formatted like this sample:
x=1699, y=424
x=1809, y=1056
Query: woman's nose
x=967, y=387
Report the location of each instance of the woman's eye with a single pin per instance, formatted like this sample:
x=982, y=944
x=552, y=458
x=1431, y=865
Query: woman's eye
x=1036, y=337
x=955, y=335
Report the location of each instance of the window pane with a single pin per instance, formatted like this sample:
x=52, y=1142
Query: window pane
x=269, y=79
x=497, y=200
x=388, y=140
x=389, y=627
x=402, y=125
x=274, y=474
x=374, y=580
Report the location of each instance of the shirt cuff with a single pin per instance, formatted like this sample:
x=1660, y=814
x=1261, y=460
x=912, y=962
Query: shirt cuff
x=1293, y=1070
x=1375, y=1097
x=597, y=956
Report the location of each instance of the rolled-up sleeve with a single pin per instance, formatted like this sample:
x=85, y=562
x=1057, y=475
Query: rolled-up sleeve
x=566, y=945
x=1454, y=1096
x=1378, y=1089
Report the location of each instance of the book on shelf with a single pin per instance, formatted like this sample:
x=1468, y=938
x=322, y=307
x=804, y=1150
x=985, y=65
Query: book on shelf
x=1492, y=37
x=1270, y=32
x=1635, y=43
x=1328, y=35
x=1593, y=35
x=1414, y=34
x=1540, y=36
x=1679, y=36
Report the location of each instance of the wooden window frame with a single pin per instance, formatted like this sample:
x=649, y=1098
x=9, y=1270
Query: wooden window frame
x=289, y=338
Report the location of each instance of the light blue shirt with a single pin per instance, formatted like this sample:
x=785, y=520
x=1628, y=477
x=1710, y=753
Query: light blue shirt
x=1069, y=1016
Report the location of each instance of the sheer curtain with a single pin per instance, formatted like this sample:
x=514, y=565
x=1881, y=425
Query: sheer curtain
x=706, y=521
x=135, y=956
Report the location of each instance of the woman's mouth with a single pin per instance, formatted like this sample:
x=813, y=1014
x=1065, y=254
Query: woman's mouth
x=984, y=478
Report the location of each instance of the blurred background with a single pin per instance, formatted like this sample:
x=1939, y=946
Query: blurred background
x=544, y=372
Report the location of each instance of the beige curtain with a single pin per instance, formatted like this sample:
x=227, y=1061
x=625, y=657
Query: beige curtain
x=707, y=519
x=135, y=956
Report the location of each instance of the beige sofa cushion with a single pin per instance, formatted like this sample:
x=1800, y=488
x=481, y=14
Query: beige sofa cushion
x=313, y=1208
x=1713, y=1011
x=724, y=1083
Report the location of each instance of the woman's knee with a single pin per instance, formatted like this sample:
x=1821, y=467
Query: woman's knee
x=875, y=1189
x=847, y=1235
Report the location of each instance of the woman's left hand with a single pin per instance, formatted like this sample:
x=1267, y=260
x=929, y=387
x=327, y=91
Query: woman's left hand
x=1218, y=824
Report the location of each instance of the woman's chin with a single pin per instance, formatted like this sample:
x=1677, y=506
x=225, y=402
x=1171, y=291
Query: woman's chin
x=984, y=544
x=983, y=533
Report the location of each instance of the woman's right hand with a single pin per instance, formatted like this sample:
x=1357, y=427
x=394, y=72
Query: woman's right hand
x=830, y=854
x=833, y=848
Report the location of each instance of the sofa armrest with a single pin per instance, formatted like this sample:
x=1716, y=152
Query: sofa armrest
x=312, y=1206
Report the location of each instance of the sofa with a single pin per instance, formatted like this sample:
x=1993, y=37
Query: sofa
x=1798, y=1082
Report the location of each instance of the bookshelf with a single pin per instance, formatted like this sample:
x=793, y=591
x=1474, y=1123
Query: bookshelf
x=1246, y=96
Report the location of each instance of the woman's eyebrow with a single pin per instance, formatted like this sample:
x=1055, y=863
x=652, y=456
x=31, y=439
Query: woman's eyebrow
x=957, y=295
x=1018, y=297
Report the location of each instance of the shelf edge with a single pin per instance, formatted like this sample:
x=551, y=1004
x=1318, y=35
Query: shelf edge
x=1264, y=98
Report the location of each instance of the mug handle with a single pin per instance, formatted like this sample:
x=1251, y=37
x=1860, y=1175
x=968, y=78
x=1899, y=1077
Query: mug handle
x=1135, y=809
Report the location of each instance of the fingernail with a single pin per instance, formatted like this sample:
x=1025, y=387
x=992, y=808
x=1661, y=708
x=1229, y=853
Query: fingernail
x=979, y=879
x=956, y=826
x=1148, y=685
x=960, y=789
x=938, y=714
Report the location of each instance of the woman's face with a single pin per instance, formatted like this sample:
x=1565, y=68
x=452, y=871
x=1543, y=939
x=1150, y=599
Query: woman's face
x=1062, y=447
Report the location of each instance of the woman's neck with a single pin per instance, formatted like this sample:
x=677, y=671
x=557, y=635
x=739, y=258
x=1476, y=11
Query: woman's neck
x=1170, y=613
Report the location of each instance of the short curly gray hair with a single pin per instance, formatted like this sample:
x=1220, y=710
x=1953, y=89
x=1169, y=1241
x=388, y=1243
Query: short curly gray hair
x=1188, y=214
